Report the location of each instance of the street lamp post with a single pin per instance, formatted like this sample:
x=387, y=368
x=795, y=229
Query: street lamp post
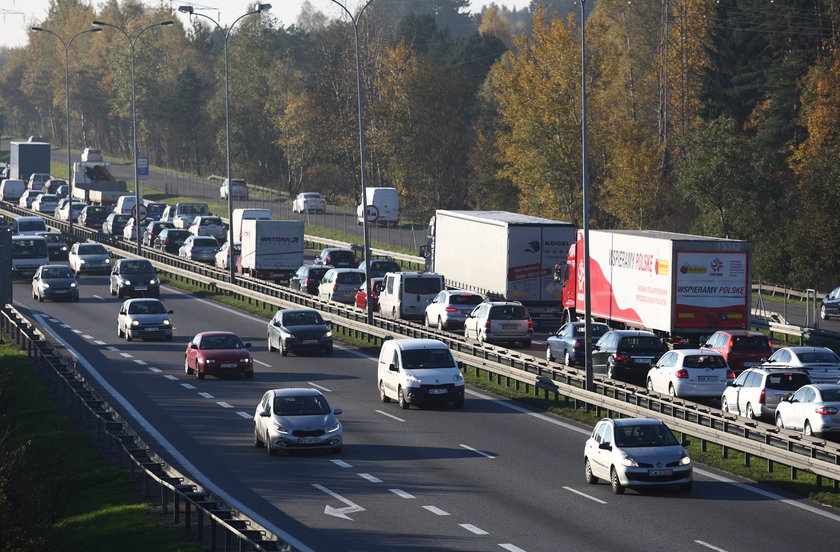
x=66, y=45
x=132, y=40
x=226, y=34
x=587, y=309
x=365, y=228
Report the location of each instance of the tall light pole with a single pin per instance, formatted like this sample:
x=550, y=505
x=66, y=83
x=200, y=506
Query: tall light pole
x=587, y=308
x=226, y=34
x=365, y=229
x=132, y=40
x=66, y=45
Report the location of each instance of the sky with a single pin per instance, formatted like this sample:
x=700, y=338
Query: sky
x=16, y=16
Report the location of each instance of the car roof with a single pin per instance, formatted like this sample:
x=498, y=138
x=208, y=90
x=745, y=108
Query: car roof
x=342, y=270
x=214, y=333
x=628, y=333
x=620, y=422
x=825, y=386
x=772, y=370
x=284, y=311
x=805, y=349
x=741, y=332
x=699, y=352
x=406, y=344
x=503, y=303
x=295, y=392
x=142, y=300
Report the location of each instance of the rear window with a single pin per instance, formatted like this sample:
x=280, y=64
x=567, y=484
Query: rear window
x=750, y=343
x=350, y=278
x=787, y=382
x=704, y=361
x=31, y=225
x=342, y=255
x=98, y=210
x=641, y=342
x=121, y=218
x=465, y=299
x=427, y=358
x=385, y=266
x=819, y=356
x=211, y=220
x=830, y=395
x=205, y=242
x=53, y=238
x=597, y=330
x=317, y=273
x=508, y=312
x=422, y=286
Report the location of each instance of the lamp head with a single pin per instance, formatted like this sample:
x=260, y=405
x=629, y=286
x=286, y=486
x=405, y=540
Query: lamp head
x=37, y=29
x=185, y=9
x=97, y=30
x=165, y=23
x=99, y=23
x=263, y=7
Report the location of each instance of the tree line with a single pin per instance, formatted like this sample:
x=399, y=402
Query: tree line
x=716, y=117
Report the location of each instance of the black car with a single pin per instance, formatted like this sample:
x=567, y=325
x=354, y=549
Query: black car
x=627, y=354
x=337, y=257
x=134, y=277
x=308, y=277
x=56, y=245
x=153, y=229
x=170, y=240
x=93, y=216
x=115, y=224
x=299, y=330
x=567, y=342
x=380, y=267
x=830, y=304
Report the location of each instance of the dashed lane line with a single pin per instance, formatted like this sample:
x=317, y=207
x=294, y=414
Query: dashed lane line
x=206, y=395
x=584, y=495
x=402, y=494
x=390, y=415
x=369, y=477
x=481, y=452
x=436, y=511
x=473, y=529
x=321, y=387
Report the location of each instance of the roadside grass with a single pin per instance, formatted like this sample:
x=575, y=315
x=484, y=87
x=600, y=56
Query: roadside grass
x=804, y=484
x=83, y=503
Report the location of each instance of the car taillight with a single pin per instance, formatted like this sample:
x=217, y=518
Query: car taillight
x=621, y=357
x=451, y=309
x=731, y=375
x=329, y=260
x=530, y=324
x=826, y=411
x=578, y=345
x=487, y=324
x=762, y=398
x=335, y=287
x=682, y=373
x=769, y=344
x=166, y=241
x=308, y=282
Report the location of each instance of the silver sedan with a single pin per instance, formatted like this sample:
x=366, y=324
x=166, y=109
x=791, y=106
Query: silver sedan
x=814, y=410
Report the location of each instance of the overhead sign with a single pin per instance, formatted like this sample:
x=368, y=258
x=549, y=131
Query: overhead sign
x=143, y=166
x=372, y=213
x=139, y=212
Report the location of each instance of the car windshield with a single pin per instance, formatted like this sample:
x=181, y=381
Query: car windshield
x=830, y=395
x=413, y=359
x=30, y=225
x=641, y=342
x=644, y=435
x=304, y=405
x=146, y=307
x=423, y=286
x=508, y=312
x=789, y=381
x=312, y=196
x=121, y=218
x=91, y=249
x=465, y=299
x=354, y=278
x=317, y=273
x=819, y=356
x=136, y=267
x=29, y=249
x=56, y=272
x=53, y=238
x=221, y=342
x=302, y=319
x=750, y=343
x=192, y=209
x=704, y=361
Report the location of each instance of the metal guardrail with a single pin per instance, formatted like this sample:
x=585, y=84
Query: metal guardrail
x=204, y=516
x=754, y=438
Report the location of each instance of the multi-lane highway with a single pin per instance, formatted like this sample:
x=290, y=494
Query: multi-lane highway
x=492, y=476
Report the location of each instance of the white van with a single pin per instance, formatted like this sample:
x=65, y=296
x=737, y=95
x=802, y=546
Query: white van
x=387, y=203
x=37, y=181
x=28, y=253
x=126, y=203
x=28, y=226
x=407, y=294
x=418, y=370
x=11, y=189
x=247, y=214
x=183, y=214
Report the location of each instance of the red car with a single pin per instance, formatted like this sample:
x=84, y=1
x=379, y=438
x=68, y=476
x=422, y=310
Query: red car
x=375, y=289
x=742, y=349
x=218, y=353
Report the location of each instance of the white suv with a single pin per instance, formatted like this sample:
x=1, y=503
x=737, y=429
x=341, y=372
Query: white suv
x=757, y=391
x=500, y=321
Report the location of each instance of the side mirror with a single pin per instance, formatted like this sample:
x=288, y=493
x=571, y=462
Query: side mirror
x=170, y=312
x=276, y=323
x=596, y=347
x=686, y=443
x=122, y=311
x=338, y=411
x=265, y=414
x=605, y=446
x=247, y=345
x=392, y=368
x=193, y=346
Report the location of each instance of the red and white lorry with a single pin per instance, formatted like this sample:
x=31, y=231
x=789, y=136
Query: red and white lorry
x=677, y=285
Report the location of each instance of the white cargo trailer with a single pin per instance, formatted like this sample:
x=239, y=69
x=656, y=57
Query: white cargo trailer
x=271, y=249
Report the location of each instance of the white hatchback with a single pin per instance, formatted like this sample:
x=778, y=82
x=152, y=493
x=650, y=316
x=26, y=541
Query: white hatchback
x=690, y=373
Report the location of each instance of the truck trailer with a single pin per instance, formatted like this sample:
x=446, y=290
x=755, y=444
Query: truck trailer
x=271, y=249
x=26, y=158
x=502, y=255
x=93, y=183
x=677, y=285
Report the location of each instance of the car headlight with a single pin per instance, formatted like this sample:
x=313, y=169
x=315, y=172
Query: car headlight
x=135, y=322
x=328, y=334
x=280, y=429
x=334, y=428
x=153, y=282
x=629, y=462
x=46, y=285
x=72, y=284
x=685, y=460
x=458, y=377
x=81, y=261
x=167, y=323
x=126, y=282
x=411, y=377
x=245, y=360
x=64, y=248
x=107, y=261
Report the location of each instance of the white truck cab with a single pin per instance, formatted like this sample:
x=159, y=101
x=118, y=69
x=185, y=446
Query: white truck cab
x=418, y=371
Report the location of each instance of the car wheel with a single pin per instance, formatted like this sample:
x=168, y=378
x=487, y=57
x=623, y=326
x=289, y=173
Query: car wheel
x=440, y=325
x=807, y=429
x=187, y=368
x=382, y=396
x=426, y=321
x=119, y=331
x=548, y=356
x=283, y=350
x=724, y=404
x=401, y=399
x=779, y=423
x=198, y=373
x=686, y=487
x=650, y=386
x=169, y=338
x=671, y=390
x=257, y=441
x=587, y=473
x=458, y=403
x=328, y=350
x=336, y=450
x=567, y=359
x=750, y=413
x=610, y=374
x=617, y=487
x=127, y=334
x=271, y=348
x=34, y=295
x=823, y=314
x=268, y=447
x=248, y=375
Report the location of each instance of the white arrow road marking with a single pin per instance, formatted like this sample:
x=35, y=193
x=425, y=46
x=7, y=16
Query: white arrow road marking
x=339, y=512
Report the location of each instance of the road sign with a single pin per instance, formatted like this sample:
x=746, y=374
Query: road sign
x=143, y=166
x=139, y=210
x=372, y=213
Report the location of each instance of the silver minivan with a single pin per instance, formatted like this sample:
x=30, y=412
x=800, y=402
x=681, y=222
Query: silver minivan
x=756, y=392
x=340, y=284
x=407, y=294
x=500, y=321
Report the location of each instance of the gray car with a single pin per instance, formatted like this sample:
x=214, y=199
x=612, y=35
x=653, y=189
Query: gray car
x=821, y=363
x=89, y=258
x=450, y=308
x=814, y=410
x=296, y=419
x=757, y=391
x=54, y=282
x=500, y=321
x=144, y=319
x=134, y=277
x=340, y=284
x=299, y=330
x=199, y=248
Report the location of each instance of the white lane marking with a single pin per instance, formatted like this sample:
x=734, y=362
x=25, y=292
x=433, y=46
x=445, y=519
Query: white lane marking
x=99, y=342
x=171, y=449
x=223, y=404
x=473, y=529
x=86, y=336
x=389, y=415
x=707, y=545
x=188, y=386
x=98, y=297
x=140, y=362
x=112, y=348
x=402, y=494
x=77, y=332
x=206, y=395
x=245, y=415
x=369, y=477
x=321, y=387
x=262, y=363
x=65, y=326
x=126, y=355
x=341, y=464
x=511, y=548
x=153, y=369
x=571, y=490
x=436, y=511
x=481, y=452
x=170, y=377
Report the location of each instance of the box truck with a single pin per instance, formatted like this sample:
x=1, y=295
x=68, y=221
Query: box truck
x=502, y=255
x=677, y=285
x=26, y=158
x=93, y=183
x=271, y=249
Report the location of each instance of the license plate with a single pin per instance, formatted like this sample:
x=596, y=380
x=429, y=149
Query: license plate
x=229, y=365
x=642, y=360
x=141, y=288
x=60, y=291
x=310, y=341
x=749, y=363
x=707, y=378
x=310, y=440
x=509, y=326
x=151, y=329
x=437, y=391
x=654, y=473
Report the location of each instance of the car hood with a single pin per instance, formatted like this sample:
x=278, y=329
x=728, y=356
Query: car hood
x=317, y=421
x=149, y=318
x=434, y=376
x=652, y=455
x=305, y=332
x=97, y=257
x=225, y=355
x=58, y=282
x=138, y=276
